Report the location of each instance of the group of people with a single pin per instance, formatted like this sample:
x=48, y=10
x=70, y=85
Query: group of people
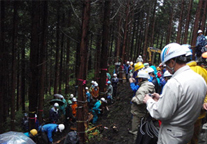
x=173, y=93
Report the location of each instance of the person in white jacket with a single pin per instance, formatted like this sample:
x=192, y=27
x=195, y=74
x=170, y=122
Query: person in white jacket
x=179, y=105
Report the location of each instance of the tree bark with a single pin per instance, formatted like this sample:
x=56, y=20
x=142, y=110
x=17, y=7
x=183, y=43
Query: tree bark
x=196, y=27
x=68, y=57
x=57, y=50
x=43, y=61
x=178, y=39
x=125, y=33
x=104, y=50
x=187, y=21
x=82, y=114
x=33, y=85
x=14, y=51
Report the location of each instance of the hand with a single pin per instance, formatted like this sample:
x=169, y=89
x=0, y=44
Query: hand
x=130, y=80
x=205, y=106
x=146, y=98
x=156, y=96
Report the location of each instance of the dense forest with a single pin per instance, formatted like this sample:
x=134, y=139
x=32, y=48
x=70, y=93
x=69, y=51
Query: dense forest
x=59, y=46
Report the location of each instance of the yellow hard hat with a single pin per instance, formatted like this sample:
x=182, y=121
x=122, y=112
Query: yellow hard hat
x=34, y=132
x=138, y=66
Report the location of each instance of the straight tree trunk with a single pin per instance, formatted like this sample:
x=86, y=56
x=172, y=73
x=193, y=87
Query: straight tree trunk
x=97, y=56
x=61, y=57
x=14, y=55
x=125, y=33
x=57, y=57
x=196, y=27
x=178, y=39
x=203, y=23
x=104, y=51
x=82, y=114
x=153, y=23
x=170, y=23
x=43, y=61
x=68, y=57
x=146, y=35
x=118, y=41
x=187, y=21
x=33, y=85
x=23, y=73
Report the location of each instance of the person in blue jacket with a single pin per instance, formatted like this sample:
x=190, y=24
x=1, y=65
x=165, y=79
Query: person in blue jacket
x=49, y=129
x=96, y=109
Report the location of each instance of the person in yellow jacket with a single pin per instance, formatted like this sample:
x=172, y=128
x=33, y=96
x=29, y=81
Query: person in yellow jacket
x=203, y=72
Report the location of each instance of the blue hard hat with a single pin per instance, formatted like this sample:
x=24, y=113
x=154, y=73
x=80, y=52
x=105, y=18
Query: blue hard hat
x=109, y=82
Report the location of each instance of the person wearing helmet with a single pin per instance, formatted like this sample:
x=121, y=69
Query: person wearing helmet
x=167, y=75
x=137, y=66
x=109, y=91
x=126, y=69
x=54, y=113
x=32, y=133
x=74, y=106
x=25, y=122
x=69, y=114
x=96, y=109
x=200, y=42
x=154, y=78
x=88, y=95
x=201, y=71
x=139, y=59
x=179, y=105
x=138, y=108
x=114, y=82
x=49, y=130
x=92, y=85
x=146, y=65
x=95, y=91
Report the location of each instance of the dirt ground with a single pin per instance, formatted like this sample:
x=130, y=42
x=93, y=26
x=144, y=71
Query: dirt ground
x=118, y=115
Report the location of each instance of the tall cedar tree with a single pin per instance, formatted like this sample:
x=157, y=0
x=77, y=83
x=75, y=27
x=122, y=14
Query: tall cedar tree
x=34, y=50
x=178, y=40
x=57, y=57
x=104, y=50
x=14, y=55
x=196, y=27
x=82, y=113
x=187, y=21
x=43, y=59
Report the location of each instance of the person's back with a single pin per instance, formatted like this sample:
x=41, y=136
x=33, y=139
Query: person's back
x=54, y=115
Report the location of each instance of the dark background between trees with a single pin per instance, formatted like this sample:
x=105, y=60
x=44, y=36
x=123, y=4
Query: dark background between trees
x=48, y=47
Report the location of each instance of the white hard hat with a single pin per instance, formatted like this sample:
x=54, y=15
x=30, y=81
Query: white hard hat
x=167, y=74
x=56, y=105
x=143, y=74
x=71, y=95
x=114, y=75
x=140, y=56
x=74, y=99
x=103, y=99
x=61, y=127
x=92, y=82
x=170, y=51
x=96, y=84
x=86, y=88
x=149, y=70
x=187, y=49
x=127, y=62
x=131, y=63
x=200, y=31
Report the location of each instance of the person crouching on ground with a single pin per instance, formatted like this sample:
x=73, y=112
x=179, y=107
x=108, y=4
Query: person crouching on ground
x=138, y=108
x=50, y=129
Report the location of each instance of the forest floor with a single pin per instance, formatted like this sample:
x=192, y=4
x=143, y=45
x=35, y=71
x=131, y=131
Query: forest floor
x=119, y=116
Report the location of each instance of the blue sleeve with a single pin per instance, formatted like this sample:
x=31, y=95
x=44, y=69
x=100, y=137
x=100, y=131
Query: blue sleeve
x=134, y=87
x=96, y=106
